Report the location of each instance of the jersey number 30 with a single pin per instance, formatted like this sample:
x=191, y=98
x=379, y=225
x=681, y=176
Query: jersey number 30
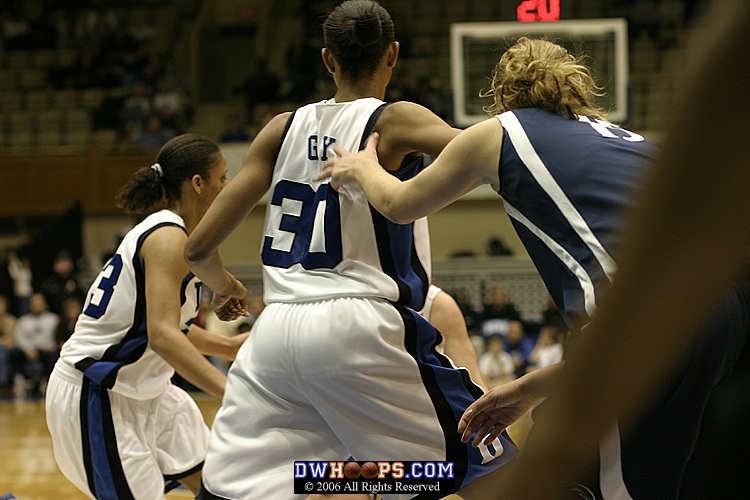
x=306, y=227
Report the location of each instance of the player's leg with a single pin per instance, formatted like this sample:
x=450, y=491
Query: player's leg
x=446, y=316
x=63, y=402
x=181, y=438
x=101, y=439
x=192, y=482
x=388, y=394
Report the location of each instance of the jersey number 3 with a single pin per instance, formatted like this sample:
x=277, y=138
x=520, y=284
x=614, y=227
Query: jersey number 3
x=100, y=297
x=305, y=227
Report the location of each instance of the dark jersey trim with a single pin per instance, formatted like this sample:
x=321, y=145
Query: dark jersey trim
x=182, y=475
x=204, y=494
x=287, y=126
x=370, y=126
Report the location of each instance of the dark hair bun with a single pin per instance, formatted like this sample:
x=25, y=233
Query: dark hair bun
x=367, y=29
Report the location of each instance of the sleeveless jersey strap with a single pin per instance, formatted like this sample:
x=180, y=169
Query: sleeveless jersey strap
x=371, y=124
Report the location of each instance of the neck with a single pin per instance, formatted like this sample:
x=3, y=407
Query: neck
x=189, y=215
x=351, y=91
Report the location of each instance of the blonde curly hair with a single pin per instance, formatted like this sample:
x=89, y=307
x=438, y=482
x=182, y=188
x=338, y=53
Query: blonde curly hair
x=536, y=73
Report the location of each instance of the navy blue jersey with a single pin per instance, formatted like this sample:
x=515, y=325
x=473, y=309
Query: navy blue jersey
x=565, y=184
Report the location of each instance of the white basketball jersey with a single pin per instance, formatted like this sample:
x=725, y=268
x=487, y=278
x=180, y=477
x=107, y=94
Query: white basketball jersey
x=320, y=243
x=110, y=342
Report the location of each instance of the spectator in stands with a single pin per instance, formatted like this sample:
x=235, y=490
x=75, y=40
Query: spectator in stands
x=36, y=349
x=234, y=131
x=497, y=314
x=71, y=309
x=167, y=102
x=62, y=283
x=117, y=46
x=471, y=318
x=549, y=316
x=19, y=269
x=548, y=349
x=179, y=78
x=7, y=343
x=302, y=65
x=136, y=109
x=16, y=30
x=496, y=365
x=87, y=67
x=154, y=136
x=260, y=86
x=519, y=346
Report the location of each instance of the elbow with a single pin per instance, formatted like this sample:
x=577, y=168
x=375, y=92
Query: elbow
x=157, y=341
x=397, y=219
x=396, y=213
x=193, y=253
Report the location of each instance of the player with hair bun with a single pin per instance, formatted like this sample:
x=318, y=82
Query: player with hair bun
x=340, y=364
x=120, y=428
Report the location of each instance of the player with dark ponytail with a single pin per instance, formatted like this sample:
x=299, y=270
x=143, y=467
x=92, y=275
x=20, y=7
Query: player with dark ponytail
x=340, y=364
x=119, y=428
x=178, y=161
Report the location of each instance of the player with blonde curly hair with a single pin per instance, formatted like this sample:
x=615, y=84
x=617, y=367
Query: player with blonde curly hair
x=535, y=73
x=566, y=177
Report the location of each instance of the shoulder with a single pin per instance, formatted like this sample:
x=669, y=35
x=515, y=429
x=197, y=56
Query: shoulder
x=273, y=131
x=404, y=111
x=164, y=242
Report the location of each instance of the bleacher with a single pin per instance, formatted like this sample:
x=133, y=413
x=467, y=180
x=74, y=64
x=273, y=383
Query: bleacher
x=41, y=108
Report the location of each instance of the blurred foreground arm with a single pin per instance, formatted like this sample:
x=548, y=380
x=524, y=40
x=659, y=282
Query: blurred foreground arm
x=688, y=240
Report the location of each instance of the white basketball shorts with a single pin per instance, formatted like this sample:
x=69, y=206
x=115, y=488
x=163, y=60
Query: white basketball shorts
x=111, y=446
x=339, y=378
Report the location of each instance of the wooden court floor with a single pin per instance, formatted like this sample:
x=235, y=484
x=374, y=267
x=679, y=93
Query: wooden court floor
x=27, y=466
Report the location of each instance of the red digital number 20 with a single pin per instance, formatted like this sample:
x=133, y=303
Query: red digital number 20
x=538, y=10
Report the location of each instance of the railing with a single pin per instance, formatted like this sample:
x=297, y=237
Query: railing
x=475, y=276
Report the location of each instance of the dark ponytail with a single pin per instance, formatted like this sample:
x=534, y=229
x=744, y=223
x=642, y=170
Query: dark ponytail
x=178, y=161
x=358, y=34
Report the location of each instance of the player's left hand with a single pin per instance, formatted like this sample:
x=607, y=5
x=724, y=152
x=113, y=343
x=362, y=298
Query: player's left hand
x=344, y=168
x=492, y=413
x=232, y=304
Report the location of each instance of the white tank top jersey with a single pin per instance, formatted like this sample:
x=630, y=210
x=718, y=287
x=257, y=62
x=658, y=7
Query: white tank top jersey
x=110, y=342
x=320, y=243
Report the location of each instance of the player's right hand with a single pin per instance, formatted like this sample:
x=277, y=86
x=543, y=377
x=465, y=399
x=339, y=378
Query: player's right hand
x=345, y=166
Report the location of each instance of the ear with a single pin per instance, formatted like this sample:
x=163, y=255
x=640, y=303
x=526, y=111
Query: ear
x=393, y=51
x=328, y=60
x=196, y=182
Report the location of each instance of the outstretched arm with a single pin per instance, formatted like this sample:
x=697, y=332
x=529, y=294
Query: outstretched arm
x=468, y=161
x=504, y=404
x=688, y=240
x=213, y=344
